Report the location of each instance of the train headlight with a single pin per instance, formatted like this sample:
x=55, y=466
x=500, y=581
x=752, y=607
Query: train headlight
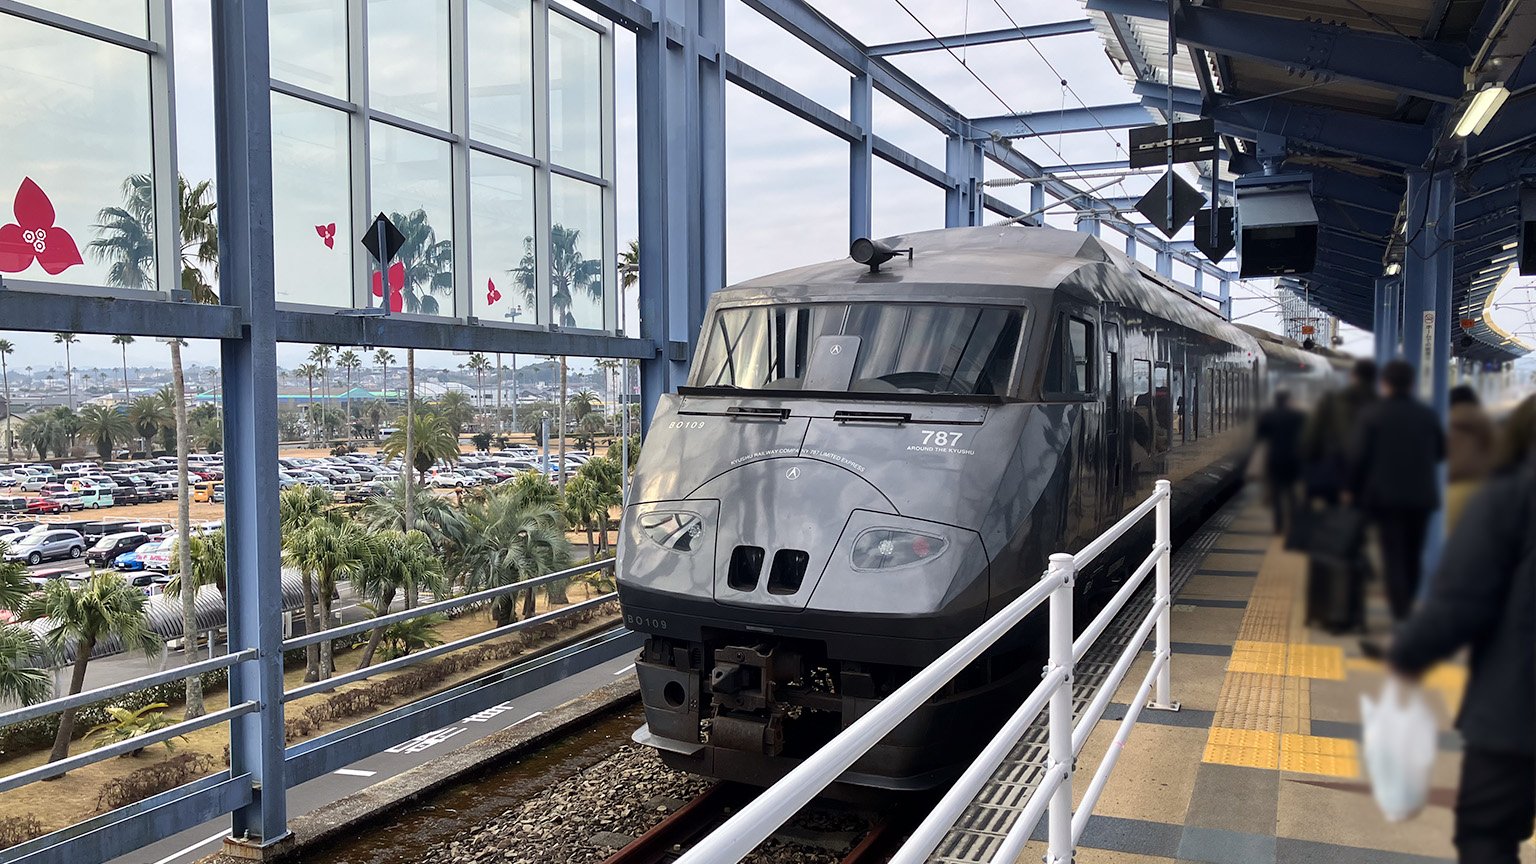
x=673, y=531
x=889, y=548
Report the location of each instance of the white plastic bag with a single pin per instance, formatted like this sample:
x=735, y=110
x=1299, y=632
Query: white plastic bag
x=1399, y=740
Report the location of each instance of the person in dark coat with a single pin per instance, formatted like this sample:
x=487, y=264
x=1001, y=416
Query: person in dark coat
x=1393, y=478
x=1280, y=429
x=1484, y=596
x=1329, y=433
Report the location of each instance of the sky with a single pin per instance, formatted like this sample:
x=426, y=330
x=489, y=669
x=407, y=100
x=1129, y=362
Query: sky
x=786, y=180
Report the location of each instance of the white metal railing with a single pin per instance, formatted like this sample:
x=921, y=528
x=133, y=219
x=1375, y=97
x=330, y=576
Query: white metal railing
x=754, y=823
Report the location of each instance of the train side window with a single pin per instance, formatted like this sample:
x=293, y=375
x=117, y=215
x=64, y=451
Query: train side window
x=1194, y=406
x=1180, y=406
x=1070, y=367
x=1162, y=401
x=1141, y=407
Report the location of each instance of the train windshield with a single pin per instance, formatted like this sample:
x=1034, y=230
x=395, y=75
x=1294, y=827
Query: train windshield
x=906, y=348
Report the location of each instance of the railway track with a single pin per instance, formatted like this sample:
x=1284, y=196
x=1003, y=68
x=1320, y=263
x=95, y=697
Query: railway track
x=668, y=839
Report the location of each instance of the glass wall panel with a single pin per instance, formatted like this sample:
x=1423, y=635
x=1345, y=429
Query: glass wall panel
x=309, y=44
x=408, y=59
x=576, y=252
x=76, y=142
x=124, y=16
x=312, y=233
x=411, y=178
x=501, y=73
x=575, y=96
x=501, y=235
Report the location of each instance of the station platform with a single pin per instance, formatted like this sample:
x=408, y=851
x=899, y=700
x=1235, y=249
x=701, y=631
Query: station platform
x=1262, y=762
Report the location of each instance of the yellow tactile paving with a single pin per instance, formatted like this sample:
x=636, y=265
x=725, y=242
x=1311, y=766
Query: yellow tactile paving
x=1311, y=754
x=1450, y=681
x=1245, y=748
x=1250, y=701
x=1262, y=658
x=1315, y=661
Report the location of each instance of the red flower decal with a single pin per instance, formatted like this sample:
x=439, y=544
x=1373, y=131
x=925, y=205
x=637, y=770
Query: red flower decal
x=492, y=296
x=396, y=286
x=34, y=236
x=328, y=234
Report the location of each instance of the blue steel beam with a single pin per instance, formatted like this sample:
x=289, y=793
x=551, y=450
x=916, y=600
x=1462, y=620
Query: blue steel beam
x=1386, y=60
x=984, y=37
x=1066, y=122
x=1155, y=95
x=1352, y=190
x=1086, y=167
x=861, y=155
x=1387, y=141
x=243, y=169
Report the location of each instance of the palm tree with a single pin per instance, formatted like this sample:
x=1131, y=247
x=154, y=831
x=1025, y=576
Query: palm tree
x=432, y=440
x=513, y=538
x=105, y=426
x=68, y=339
x=435, y=517
x=395, y=561
x=330, y=550
x=6, y=347
x=42, y=433
x=479, y=363
x=583, y=402
x=456, y=410
x=629, y=266
x=78, y=619
x=428, y=262
x=309, y=371
x=321, y=354
x=148, y=415
x=349, y=361
x=126, y=239
x=569, y=274
x=208, y=566
x=383, y=357
x=297, y=508
x=19, y=680
x=124, y=341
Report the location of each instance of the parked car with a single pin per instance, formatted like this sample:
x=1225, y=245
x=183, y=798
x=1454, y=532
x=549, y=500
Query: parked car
x=38, y=546
x=67, y=501
x=112, y=545
x=32, y=483
x=202, y=493
x=450, y=480
x=129, y=562
x=159, y=558
x=13, y=504
x=153, y=529
x=95, y=497
x=43, y=505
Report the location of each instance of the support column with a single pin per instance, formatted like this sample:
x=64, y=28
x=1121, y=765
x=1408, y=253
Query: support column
x=243, y=136
x=1226, y=299
x=861, y=158
x=1165, y=263
x=1199, y=283
x=1427, y=283
x=1130, y=247
x=963, y=202
x=1389, y=298
x=1088, y=225
x=681, y=141
x=1427, y=271
x=1037, y=202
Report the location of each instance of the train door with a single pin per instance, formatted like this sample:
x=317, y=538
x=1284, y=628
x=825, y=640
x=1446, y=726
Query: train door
x=1115, y=461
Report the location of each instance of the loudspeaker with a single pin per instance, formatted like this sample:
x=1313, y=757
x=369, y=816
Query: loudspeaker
x=1527, y=257
x=1276, y=225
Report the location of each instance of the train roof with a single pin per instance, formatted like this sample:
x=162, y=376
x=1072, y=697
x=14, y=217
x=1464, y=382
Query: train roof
x=1318, y=360
x=994, y=263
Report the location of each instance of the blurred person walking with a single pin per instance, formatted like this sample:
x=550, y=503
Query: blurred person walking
x=1398, y=445
x=1484, y=596
x=1330, y=432
x=1280, y=429
x=1470, y=445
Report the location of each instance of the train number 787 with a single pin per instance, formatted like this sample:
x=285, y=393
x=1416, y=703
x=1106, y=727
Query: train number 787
x=940, y=438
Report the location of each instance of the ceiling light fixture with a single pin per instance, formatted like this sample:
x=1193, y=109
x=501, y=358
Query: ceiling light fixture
x=1485, y=103
x=1394, y=268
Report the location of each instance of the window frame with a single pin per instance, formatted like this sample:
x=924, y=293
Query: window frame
x=1060, y=355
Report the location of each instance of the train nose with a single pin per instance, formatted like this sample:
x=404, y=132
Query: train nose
x=779, y=522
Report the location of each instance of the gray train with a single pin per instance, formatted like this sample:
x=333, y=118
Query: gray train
x=869, y=460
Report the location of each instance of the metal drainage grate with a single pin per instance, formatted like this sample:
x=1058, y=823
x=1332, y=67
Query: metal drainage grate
x=979, y=832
